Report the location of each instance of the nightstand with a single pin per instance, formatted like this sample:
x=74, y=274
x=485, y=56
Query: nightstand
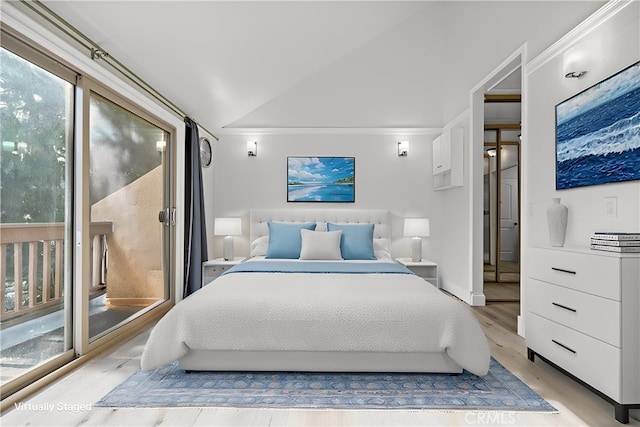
x=426, y=269
x=213, y=268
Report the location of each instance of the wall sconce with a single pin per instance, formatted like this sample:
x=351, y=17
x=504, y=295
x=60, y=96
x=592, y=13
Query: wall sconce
x=252, y=148
x=574, y=62
x=228, y=227
x=416, y=228
x=161, y=146
x=575, y=74
x=403, y=148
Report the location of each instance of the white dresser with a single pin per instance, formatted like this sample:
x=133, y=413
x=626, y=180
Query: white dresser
x=583, y=315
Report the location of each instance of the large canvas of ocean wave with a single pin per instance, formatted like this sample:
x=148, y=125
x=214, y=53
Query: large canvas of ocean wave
x=598, y=133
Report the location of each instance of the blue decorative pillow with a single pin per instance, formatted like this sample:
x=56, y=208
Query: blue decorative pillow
x=285, y=240
x=356, y=241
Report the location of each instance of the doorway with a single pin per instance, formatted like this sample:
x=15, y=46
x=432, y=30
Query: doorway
x=501, y=198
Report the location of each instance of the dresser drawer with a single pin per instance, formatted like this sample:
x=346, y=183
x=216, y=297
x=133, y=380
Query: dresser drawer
x=591, y=360
x=592, y=315
x=594, y=274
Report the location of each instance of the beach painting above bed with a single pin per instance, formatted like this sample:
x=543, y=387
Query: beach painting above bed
x=321, y=179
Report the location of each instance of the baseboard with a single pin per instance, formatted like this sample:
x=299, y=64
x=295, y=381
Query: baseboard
x=478, y=300
x=133, y=302
x=521, y=326
x=463, y=294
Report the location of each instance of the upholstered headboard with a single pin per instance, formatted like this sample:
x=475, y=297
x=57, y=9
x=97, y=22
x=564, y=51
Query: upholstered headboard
x=381, y=233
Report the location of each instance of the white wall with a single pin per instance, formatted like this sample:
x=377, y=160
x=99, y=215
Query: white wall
x=467, y=50
x=612, y=43
x=612, y=46
x=403, y=185
x=456, y=253
x=481, y=34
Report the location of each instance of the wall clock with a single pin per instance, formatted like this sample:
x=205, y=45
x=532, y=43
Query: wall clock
x=205, y=152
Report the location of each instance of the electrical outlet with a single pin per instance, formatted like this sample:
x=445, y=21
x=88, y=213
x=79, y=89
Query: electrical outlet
x=610, y=207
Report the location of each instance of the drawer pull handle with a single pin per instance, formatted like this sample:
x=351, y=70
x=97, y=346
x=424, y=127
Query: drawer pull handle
x=565, y=307
x=562, y=270
x=564, y=346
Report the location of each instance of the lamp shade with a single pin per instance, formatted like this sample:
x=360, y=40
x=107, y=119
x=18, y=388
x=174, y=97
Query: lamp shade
x=416, y=227
x=227, y=226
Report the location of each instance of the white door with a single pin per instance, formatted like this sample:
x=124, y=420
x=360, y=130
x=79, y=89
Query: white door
x=509, y=227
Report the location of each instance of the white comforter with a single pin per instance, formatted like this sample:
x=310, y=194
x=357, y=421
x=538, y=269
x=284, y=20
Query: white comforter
x=319, y=312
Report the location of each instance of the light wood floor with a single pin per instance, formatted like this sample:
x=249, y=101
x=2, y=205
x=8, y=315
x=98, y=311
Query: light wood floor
x=73, y=397
x=499, y=292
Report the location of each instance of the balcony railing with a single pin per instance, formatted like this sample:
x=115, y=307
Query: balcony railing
x=43, y=285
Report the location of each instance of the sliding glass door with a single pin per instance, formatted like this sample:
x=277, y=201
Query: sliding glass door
x=36, y=112
x=127, y=169
x=86, y=214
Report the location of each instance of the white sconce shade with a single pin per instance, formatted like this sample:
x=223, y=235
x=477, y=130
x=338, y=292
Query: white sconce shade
x=416, y=228
x=227, y=227
x=575, y=62
x=160, y=146
x=252, y=148
x=403, y=148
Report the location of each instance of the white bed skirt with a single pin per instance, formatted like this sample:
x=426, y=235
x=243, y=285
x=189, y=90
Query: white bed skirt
x=322, y=361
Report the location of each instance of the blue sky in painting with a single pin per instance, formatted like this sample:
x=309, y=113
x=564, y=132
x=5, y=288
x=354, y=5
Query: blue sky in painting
x=319, y=170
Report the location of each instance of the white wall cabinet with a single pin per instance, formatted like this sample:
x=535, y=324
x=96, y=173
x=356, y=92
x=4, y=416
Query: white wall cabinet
x=441, y=154
x=583, y=316
x=447, y=159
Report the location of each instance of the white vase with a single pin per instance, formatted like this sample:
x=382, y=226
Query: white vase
x=557, y=215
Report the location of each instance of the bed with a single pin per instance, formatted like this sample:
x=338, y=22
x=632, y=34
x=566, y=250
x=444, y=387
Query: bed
x=334, y=307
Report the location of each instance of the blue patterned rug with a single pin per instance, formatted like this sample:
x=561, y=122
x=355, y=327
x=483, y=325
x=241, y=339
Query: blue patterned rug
x=169, y=386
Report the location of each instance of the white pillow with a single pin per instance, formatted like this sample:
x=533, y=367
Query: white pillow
x=382, y=254
x=259, y=246
x=320, y=244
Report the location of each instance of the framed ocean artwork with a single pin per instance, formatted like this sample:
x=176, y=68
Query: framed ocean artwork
x=597, y=133
x=321, y=179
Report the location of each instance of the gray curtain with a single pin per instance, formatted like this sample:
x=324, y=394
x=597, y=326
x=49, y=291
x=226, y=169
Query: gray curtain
x=195, y=244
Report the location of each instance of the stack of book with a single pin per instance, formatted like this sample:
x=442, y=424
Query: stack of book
x=615, y=242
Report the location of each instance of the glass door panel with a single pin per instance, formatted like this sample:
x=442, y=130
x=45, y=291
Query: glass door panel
x=36, y=112
x=127, y=188
x=489, y=270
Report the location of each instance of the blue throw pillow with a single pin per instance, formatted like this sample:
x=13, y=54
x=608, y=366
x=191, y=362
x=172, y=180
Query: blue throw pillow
x=356, y=241
x=285, y=240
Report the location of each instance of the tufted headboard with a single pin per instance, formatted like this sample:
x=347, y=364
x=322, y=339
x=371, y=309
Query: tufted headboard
x=381, y=233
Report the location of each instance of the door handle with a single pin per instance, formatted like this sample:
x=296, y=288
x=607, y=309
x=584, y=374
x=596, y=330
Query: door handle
x=164, y=216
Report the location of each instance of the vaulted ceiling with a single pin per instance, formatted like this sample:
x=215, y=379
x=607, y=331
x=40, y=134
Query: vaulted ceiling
x=316, y=64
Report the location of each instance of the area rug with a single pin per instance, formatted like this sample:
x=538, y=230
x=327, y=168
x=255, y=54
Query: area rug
x=170, y=386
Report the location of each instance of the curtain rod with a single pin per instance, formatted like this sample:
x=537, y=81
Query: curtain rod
x=96, y=52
